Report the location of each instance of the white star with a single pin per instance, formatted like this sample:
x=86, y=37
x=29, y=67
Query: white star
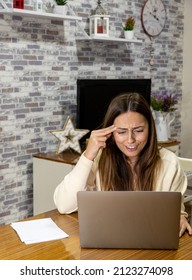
x=69, y=137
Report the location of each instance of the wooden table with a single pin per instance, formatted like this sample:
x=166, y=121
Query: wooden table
x=69, y=248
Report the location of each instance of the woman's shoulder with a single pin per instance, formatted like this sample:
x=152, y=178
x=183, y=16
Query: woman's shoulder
x=168, y=156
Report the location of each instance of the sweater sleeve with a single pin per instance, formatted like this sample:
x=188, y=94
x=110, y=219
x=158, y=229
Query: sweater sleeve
x=172, y=176
x=179, y=184
x=65, y=195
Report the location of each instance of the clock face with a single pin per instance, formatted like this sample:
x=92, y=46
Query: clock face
x=153, y=17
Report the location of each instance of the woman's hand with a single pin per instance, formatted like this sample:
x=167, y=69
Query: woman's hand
x=184, y=225
x=97, y=141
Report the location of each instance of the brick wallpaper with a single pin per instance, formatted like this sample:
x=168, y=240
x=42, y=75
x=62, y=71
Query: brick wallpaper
x=40, y=62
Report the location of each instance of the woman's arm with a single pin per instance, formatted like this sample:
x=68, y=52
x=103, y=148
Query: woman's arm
x=174, y=179
x=65, y=195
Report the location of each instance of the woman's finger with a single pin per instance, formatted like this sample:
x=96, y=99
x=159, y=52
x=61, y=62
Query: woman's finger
x=104, y=131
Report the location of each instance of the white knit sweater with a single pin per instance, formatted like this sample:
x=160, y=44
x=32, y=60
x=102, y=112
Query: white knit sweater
x=85, y=176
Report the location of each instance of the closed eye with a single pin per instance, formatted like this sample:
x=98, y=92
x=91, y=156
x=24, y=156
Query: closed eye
x=138, y=130
x=121, y=131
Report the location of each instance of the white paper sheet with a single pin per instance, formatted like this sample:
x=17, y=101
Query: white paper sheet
x=39, y=230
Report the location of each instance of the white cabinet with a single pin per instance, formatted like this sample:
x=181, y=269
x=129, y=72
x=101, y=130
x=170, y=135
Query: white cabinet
x=48, y=171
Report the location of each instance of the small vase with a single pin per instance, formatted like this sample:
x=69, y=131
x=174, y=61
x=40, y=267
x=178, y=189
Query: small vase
x=48, y=8
x=60, y=9
x=129, y=34
x=38, y=6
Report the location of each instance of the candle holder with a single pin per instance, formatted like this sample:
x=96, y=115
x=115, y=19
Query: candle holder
x=99, y=22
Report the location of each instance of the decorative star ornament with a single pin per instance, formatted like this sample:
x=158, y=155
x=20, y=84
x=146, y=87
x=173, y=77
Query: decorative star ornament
x=69, y=137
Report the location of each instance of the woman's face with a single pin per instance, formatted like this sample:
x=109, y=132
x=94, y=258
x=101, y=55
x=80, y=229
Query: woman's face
x=131, y=134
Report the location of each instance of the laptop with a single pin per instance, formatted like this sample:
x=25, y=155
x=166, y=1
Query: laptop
x=129, y=219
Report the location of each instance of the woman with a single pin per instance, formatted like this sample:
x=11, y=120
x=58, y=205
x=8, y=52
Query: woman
x=124, y=155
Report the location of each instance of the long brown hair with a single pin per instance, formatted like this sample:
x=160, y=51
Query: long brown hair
x=115, y=171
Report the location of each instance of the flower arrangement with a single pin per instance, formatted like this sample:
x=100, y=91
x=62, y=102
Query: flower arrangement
x=130, y=23
x=163, y=102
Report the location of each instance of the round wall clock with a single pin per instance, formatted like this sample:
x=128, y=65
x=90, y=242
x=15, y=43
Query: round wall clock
x=153, y=17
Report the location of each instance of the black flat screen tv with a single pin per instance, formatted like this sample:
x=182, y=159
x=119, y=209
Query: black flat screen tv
x=94, y=96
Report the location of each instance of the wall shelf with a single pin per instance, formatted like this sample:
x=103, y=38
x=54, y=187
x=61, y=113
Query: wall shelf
x=45, y=15
x=114, y=39
x=31, y=13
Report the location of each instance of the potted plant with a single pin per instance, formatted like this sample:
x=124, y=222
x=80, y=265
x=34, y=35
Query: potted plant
x=162, y=105
x=60, y=7
x=129, y=28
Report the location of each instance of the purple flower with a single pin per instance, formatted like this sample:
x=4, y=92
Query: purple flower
x=163, y=102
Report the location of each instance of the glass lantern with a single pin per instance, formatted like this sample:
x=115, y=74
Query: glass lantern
x=99, y=22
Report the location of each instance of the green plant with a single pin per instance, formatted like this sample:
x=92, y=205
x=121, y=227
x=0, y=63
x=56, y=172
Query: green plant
x=61, y=2
x=130, y=23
